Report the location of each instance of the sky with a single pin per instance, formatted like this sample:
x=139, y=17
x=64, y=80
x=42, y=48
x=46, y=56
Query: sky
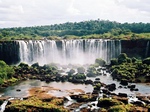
x=22, y=13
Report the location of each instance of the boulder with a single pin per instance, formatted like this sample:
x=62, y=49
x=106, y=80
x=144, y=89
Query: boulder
x=122, y=99
x=144, y=99
x=111, y=87
x=100, y=61
x=122, y=95
x=131, y=86
x=88, y=82
x=106, y=102
x=138, y=103
x=72, y=71
x=106, y=91
x=97, y=79
x=124, y=82
x=81, y=70
x=84, y=97
x=18, y=90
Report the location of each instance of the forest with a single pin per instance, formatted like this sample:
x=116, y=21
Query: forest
x=103, y=29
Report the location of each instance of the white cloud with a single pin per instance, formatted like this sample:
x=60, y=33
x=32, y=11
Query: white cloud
x=72, y=10
x=43, y=12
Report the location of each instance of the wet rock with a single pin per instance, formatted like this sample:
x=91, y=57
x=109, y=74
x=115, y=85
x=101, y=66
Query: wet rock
x=77, y=81
x=99, y=69
x=74, y=96
x=84, y=97
x=120, y=87
x=96, y=82
x=124, y=82
x=138, y=103
x=144, y=98
x=106, y=102
x=106, y=91
x=111, y=87
x=122, y=95
x=81, y=70
x=97, y=86
x=2, y=99
x=95, y=92
x=131, y=86
x=134, y=89
x=98, y=79
x=137, y=81
x=149, y=109
x=88, y=82
x=71, y=72
x=122, y=99
x=18, y=90
x=92, y=72
x=100, y=61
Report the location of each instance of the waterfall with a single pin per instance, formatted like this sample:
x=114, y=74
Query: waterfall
x=68, y=51
x=147, y=49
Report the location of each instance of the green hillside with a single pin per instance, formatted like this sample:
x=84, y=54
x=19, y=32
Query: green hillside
x=85, y=29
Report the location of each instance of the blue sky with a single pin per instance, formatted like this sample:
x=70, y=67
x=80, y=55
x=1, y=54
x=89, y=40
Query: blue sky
x=18, y=13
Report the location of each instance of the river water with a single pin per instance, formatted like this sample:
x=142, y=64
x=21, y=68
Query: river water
x=65, y=86
x=26, y=85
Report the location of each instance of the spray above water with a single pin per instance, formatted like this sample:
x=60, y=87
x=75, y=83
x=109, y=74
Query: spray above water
x=66, y=52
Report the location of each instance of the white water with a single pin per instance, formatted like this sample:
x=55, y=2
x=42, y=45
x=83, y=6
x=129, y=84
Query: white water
x=68, y=51
x=147, y=49
x=2, y=107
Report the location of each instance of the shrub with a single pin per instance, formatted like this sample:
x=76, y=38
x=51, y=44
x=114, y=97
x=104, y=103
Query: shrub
x=146, y=61
x=35, y=65
x=134, y=60
x=117, y=108
x=6, y=71
x=80, y=76
x=23, y=65
x=122, y=58
x=113, y=62
x=107, y=102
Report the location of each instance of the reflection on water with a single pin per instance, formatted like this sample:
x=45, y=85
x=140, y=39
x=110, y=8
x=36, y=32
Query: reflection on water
x=63, y=87
x=143, y=88
x=26, y=85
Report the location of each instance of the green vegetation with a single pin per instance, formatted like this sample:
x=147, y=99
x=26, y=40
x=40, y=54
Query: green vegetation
x=34, y=104
x=130, y=69
x=114, y=105
x=92, y=72
x=103, y=29
x=6, y=72
x=12, y=74
x=100, y=62
x=120, y=108
x=107, y=102
x=80, y=76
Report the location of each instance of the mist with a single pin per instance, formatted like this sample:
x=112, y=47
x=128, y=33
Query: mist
x=66, y=52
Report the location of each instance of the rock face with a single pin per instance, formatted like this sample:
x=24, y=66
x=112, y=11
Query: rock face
x=9, y=52
x=136, y=48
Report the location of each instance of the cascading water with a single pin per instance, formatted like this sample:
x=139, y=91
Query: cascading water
x=147, y=49
x=68, y=51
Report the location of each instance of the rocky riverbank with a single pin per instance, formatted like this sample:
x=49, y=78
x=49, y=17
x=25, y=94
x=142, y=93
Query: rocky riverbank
x=103, y=98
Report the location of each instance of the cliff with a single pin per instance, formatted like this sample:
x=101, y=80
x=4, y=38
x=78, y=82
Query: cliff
x=10, y=50
x=136, y=48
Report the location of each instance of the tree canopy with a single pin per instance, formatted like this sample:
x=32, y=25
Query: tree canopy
x=85, y=29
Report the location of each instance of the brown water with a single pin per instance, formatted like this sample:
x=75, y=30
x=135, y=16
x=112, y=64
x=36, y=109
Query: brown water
x=65, y=86
x=26, y=85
